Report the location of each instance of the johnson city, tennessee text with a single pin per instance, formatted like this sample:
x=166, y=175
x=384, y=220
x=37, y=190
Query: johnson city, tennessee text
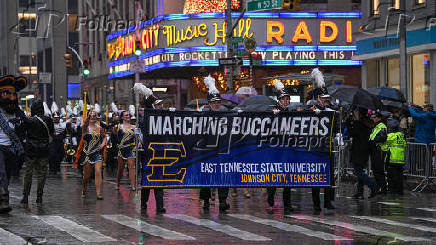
x=278, y=172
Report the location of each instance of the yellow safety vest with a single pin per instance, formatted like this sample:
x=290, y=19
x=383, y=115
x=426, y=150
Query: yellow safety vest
x=397, y=145
x=375, y=131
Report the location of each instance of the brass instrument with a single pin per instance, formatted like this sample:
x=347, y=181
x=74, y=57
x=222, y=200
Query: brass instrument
x=68, y=145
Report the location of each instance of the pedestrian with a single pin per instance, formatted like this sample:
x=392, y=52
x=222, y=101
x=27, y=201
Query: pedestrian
x=10, y=145
x=150, y=101
x=127, y=148
x=395, y=158
x=377, y=141
x=284, y=99
x=359, y=128
x=425, y=123
x=39, y=131
x=94, y=141
x=214, y=99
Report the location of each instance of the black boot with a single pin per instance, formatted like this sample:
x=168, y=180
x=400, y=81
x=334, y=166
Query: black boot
x=329, y=206
x=4, y=201
x=224, y=206
x=39, y=199
x=358, y=196
x=25, y=199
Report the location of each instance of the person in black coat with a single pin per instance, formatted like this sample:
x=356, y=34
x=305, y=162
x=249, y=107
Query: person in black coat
x=359, y=126
x=39, y=131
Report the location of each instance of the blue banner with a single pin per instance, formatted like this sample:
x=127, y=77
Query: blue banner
x=197, y=149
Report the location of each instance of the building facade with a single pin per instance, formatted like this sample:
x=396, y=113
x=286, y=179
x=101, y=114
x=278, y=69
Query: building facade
x=378, y=47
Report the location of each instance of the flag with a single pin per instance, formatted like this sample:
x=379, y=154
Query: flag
x=80, y=147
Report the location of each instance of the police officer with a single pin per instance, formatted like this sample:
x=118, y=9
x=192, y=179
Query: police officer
x=283, y=102
x=322, y=104
x=396, y=145
x=214, y=99
x=377, y=140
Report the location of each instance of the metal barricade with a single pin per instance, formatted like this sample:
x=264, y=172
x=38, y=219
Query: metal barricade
x=342, y=160
x=420, y=163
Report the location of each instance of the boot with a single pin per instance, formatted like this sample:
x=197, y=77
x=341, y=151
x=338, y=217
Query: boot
x=25, y=199
x=39, y=199
x=358, y=196
x=224, y=206
x=4, y=201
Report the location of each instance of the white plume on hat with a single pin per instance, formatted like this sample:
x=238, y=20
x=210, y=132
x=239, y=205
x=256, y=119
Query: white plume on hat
x=97, y=108
x=318, y=78
x=69, y=109
x=279, y=85
x=47, y=111
x=209, y=81
x=54, y=108
x=63, y=112
x=132, y=111
x=140, y=88
x=75, y=112
x=80, y=105
x=114, y=108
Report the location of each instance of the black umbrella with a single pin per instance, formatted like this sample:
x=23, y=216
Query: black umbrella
x=386, y=93
x=257, y=103
x=197, y=103
x=358, y=97
x=332, y=89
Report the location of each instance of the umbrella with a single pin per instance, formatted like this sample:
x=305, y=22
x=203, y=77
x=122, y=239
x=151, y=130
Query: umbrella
x=386, y=93
x=257, y=103
x=333, y=88
x=232, y=98
x=246, y=91
x=358, y=97
x=197, y=103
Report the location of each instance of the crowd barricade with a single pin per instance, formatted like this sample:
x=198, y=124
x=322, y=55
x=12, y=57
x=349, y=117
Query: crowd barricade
x=342, y=160
x=420, y=163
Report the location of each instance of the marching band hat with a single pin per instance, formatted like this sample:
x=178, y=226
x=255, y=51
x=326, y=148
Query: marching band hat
x=281, y=90
x=152, y=101
x=16, y=82
x=213, y=93
x=320, y=92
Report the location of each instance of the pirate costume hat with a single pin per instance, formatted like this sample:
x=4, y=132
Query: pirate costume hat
x=10, y=81
x=213, y=94
x=281, y=91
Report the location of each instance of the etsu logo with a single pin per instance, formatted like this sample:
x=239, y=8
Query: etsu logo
x=165, y=155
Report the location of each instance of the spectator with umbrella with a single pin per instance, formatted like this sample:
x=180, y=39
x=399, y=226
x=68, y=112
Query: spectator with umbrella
x=425, y=123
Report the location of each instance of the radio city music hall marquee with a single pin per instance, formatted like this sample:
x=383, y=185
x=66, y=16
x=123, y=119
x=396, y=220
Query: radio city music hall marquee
x=283, y=39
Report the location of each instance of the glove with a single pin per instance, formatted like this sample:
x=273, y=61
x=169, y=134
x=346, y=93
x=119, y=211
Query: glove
x=172, y=109
x=317, y=111
x=276, y=111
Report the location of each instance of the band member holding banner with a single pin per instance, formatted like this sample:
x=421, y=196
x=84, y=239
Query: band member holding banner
x=214, y=99
x=94, y=141
x=320, y=94
x=126, y=151
x=150, y=101
x=284, y=99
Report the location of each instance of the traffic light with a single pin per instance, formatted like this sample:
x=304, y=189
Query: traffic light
x=138, y=50
x=86, y=67
x=68, y=60
x=291, y=5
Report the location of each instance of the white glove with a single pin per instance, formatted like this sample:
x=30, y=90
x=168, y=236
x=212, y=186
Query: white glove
x=317, y=111
x=276, y=111
x=172, y=109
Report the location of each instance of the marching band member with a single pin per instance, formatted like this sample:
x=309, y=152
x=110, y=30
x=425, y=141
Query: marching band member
x=126, y=147
x=94, y=141
x=56, y=151
x=282, y=105
x=150, y=101
x=214, y=99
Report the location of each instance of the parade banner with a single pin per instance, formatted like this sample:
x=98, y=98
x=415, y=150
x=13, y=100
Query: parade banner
x=185, y=149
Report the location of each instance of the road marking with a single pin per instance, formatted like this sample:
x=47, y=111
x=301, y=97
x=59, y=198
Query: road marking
x=289, y=227
x=390, y=203
x=425, y=219
x=226, y=229
x=358, y=228
x=395, y=223
x=428, y=209
x=142, y=226
x=9, y=238
x=78, y=231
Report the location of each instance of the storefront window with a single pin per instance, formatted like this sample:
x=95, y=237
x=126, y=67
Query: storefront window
x=394, y=73
x=372, y=73
x=420, y=79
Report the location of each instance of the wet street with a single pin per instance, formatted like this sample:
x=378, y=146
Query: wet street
x=65, y=218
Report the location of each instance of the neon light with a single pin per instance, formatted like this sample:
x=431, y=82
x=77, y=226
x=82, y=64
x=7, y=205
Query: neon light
x=275, y=29
x=337, y=48
x=305, y=48
x=339, y=62
x=262, y=15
